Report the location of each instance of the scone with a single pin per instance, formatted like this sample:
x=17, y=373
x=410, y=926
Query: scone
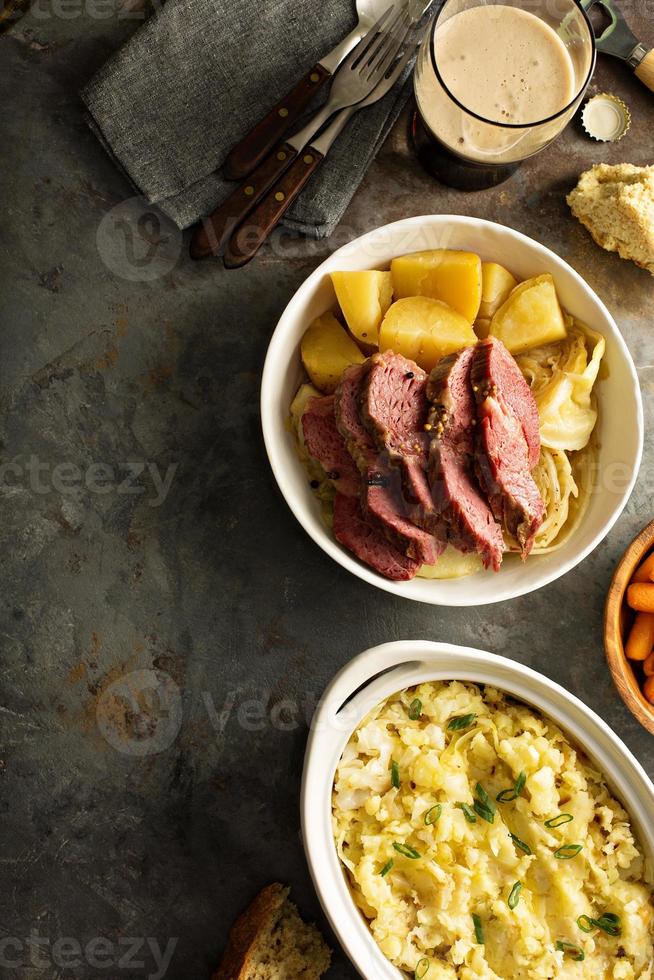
x=616, y=205
x=269, y=941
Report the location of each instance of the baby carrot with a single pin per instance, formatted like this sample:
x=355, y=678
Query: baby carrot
x=648, y=666
x=641, y=597
x=645, y=571
x=648, y=689
x=641, y=637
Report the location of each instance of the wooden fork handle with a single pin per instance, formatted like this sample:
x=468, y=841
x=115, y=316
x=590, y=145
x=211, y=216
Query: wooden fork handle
x=245, y=156
x=211, y=233
x=248, y=239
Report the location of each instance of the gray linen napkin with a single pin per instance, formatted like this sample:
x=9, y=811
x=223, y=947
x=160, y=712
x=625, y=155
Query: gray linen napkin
x=171, y=103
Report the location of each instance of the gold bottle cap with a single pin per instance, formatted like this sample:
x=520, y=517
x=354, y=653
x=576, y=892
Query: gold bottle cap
x=606, y=118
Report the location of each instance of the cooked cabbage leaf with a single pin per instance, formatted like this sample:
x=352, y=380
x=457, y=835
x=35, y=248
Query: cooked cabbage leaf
x=556, y=484
x=561, y=377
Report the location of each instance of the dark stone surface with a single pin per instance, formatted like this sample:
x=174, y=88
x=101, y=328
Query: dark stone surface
x=213, y=585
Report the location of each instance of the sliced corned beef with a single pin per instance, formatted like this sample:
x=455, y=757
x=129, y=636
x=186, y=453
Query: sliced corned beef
x=504, y=454
x=382, y=498
x=368, y=542
x=394, y=408
x=348, y=417
x=383, y=502
x=455, y=491
x=324, y=443
x=495, y=368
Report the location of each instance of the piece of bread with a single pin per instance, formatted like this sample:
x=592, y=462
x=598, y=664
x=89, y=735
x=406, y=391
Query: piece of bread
x=269, y=941
x=616, y=205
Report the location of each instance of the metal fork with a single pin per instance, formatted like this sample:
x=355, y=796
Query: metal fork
x=250, y=236
x=355, y=79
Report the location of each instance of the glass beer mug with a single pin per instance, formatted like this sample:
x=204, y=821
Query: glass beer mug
x=496, y=82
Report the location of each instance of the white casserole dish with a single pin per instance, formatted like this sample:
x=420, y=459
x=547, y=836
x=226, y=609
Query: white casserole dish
x=384, y=670
x=620, y=426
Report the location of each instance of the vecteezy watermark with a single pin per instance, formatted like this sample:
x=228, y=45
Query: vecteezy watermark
x=99, y=953
x=140, y=713
x=137, y=242
x=45, y=10
x=129, y=478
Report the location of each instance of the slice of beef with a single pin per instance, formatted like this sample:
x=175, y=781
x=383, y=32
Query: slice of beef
x=324, y=443
x=456, y=493
x=358, y=440
x=382, y=498
x=495, y=368
x=383, y=503
x=504, y=450
x=394, y=408
x=368, y=542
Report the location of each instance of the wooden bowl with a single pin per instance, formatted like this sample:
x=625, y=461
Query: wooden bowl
x=627, y=674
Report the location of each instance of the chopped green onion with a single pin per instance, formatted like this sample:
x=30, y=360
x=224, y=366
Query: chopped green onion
x=479, y=929
x=567, y=851
x=461, y=722
x=565, y=947
x=609, y=923
x=433, y=816
x=422, y=968
x=467, y=811
x=483, y=805
x=387, y=867
x=513, y=792
x=395, y=775
x=483, y=811
x=415, y=710
x=406, y=850
x=514, y=896
x=520, y=843
x=484, y=797
x=559, y=821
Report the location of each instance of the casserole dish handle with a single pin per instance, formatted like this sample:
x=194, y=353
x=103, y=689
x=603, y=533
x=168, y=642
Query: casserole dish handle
x=339, y=702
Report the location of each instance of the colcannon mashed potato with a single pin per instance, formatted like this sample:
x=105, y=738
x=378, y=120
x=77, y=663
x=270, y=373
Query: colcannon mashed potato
x=479, y=843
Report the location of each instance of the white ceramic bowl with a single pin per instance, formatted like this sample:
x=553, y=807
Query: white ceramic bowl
x=620, y=423
x=384, y=670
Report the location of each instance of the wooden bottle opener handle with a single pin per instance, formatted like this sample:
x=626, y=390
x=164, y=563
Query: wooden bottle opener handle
x=245, y=156
x=645, y=70
x=211, y=233
x=250, y=236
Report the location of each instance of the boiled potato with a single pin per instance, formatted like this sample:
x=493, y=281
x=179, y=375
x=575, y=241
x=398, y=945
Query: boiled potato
x=364, y=297
x=451, y=276
x=452, y=564
x=326, y=350
x=496, y=284
x=424, y=330
x=530, y=317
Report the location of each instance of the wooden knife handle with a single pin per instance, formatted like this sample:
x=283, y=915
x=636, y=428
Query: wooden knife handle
x=645, y=70
x=250, y=236
x=211, y=233
x=245, y=156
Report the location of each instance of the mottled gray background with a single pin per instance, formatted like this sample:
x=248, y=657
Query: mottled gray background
x=216, y=589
